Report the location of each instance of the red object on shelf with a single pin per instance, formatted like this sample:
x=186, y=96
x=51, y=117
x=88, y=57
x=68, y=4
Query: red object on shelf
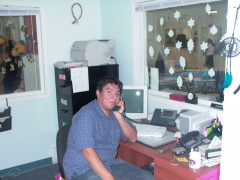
x=177, y=97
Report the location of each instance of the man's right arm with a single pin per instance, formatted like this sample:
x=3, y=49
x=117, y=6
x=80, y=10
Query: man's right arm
x=96, y=164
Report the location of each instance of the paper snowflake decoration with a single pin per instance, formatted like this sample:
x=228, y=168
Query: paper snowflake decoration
x=158, y=38
x=208, y=9
x=161, y=21
x=166, y=51
x=177, y=15
x=178, y=45
x=151, y=51
x=191, y=23
x=150, y=28
x=204, y=46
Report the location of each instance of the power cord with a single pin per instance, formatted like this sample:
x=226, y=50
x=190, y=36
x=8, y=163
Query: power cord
x=173, y=160
x=114, y=59
x=131, y=119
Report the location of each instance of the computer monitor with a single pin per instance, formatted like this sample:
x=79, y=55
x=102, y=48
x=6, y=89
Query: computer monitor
x=135, y=98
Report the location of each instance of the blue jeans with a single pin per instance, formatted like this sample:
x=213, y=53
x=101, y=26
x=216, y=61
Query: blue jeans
x=122, y=171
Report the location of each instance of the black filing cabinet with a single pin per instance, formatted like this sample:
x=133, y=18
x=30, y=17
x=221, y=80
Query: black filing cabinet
x=68, y=103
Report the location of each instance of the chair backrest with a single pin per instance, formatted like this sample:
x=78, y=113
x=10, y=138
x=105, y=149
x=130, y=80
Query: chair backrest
x=62, y=137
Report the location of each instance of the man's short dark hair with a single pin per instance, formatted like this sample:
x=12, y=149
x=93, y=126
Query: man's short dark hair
x=109, y=80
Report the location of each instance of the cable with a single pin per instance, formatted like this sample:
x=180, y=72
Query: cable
x=114, y=59
x=173, y=160
x=131, y=119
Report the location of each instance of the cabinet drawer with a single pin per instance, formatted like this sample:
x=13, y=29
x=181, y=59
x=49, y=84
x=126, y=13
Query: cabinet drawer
x=64, y=105
x=63, y=121
x=62, y=77
x=64, y=90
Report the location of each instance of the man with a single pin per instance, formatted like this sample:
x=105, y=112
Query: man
x=94, y=138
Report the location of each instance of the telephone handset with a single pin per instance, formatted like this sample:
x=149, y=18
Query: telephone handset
x=193, y=140
x=116, y=108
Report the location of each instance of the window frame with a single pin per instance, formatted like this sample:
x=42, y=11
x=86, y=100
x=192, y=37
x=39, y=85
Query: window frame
x=140, y=70
x=43, y=74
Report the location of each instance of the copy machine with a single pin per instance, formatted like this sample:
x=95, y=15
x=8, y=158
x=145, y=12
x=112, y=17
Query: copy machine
x=94, y=52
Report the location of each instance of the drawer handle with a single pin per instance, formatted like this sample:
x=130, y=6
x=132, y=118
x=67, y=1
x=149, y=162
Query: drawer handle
x=64, y=111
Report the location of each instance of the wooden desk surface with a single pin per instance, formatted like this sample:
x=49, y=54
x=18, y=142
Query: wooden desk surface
x=140, y=155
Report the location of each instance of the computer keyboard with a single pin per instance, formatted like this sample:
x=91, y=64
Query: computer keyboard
x=149, y=130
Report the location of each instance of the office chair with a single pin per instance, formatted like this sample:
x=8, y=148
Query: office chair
x=62, y=136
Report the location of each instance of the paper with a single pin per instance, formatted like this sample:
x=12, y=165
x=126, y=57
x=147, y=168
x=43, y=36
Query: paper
x=154, y=79
x=2, y=120
x=210, y=164
x=80, y=80
x=215, y=143
x=182, y=159
x=68, y=64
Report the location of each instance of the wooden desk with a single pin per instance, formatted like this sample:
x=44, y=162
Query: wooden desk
x=140, y=155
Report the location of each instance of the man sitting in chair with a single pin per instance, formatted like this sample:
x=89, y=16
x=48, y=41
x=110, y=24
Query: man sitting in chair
x=94, y=137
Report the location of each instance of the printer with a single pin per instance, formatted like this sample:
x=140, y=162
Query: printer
x=94, y=52
x=194, y=120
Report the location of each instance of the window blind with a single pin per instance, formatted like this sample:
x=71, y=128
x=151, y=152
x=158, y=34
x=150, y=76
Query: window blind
x=18, y=11
x=162, y=4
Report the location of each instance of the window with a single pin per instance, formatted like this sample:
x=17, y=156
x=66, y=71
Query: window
x=178, y=45
x=21, y=52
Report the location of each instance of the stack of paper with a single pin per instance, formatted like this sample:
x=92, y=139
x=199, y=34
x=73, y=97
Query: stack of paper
x=68, y=64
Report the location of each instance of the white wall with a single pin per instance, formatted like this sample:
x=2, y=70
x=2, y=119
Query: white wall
x=230, y=158
x=34, y=122
x=116, y=24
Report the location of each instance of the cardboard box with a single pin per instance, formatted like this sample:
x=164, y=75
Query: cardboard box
x=209, y=153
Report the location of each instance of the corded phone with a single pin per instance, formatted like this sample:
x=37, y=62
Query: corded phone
x=164, y=117
x=116, y=108
x=193, y=140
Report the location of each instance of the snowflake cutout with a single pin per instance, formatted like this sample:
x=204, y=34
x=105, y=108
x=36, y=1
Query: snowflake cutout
x=161, y=21
x=151, y=51
x=166, y=51
x=204, y=46
x=150, y=28
x=190, y=77
x=208, y=9
x=178, y=45
x=191, y=23
x=179, y=82
x=211, y=72
x=182, y=62
x=190, y=45
x=158, y=38
x=177, y=15
x=213, y=30
x=170, y=33
x=171, y=70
